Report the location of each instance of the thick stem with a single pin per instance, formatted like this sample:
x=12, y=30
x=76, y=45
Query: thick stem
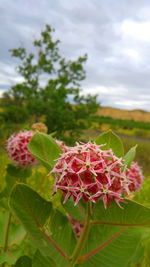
x=7, y=232
x=82, y=239
x=7, y=235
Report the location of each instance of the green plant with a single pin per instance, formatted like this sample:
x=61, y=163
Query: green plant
x=110, y=235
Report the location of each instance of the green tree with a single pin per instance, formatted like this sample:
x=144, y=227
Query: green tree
x=51, y=87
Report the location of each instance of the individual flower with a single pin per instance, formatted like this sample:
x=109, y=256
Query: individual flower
x=134, y=174
x=17, y=148
x=86, y=171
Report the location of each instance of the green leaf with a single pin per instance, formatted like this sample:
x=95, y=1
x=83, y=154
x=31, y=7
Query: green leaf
x=33, y=211
x=110, y=141
x=129, y=157
x=23, y=261
x=115, y=234
x=40, y=261
x=16, y=230
x=18, y=172
x=131, y=214
x=77, y=212
x=61, y=232
x=44, y=149
x=117, y=245
x=6, y=257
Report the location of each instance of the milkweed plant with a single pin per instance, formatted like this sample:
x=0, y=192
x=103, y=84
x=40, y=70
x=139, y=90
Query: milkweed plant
x=98, y=224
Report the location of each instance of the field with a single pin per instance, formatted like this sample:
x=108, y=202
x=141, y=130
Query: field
x=136, y=115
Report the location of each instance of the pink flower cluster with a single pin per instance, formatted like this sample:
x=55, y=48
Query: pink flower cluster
x=86, y=171
x=17, y=148
x=135, y=176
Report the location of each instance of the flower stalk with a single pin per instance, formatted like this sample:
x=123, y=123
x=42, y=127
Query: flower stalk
x=83, y=237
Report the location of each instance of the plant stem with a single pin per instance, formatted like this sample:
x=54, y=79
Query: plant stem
x=7, y=235
x=83, y=237
x=7, y=232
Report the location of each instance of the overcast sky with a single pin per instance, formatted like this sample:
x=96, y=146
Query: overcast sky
x=115, y=35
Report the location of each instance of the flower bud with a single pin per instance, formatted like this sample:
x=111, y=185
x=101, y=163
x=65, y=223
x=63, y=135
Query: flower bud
x=41, y=127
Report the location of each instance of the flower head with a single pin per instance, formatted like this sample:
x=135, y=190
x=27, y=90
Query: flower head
x=134, y=174
x=17, y=148
x=86, y=171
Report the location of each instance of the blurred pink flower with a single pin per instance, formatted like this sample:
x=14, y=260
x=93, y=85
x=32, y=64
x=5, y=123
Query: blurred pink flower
x=86, y=171
x=76, y=226
x=134, y=174
x=17, y=148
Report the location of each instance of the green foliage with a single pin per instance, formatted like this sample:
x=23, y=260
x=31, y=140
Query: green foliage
x=15, y=114
x=23, y=261
x=111, y=237
x=60, y=99
x=126, y=124
x=47, y=152
x=131, y=214
x=10, y=244
x=129, y=157
x=110, y=141
x=118, y=245
x=77, y=212
x=40, y=261
x=142, y=155
x=33, y=211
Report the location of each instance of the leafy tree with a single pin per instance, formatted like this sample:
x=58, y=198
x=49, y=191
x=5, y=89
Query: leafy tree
x=51, y=87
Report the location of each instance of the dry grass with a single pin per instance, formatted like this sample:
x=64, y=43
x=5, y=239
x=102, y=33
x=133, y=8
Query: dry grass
x=136, y=115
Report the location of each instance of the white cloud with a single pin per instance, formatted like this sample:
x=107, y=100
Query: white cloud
x=136, y=30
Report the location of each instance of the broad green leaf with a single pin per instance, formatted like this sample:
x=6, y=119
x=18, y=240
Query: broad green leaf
x=33, y=211
x=129, y=157
x=23, y=261
x=45, y=149
x=6, y=257
x=16, y=230
x=40, y=261
x=77, y=212
x=117, y=245
x=61, y=232
x=110, y=141
x=11, y=255
x=139, y=254
x=131, y=213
